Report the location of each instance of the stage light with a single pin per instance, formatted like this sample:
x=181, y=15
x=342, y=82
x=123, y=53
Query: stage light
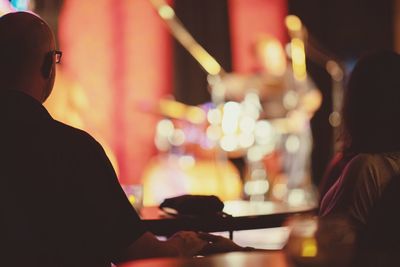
x=165, y=128
x=296, y=197
x=256, y=187
x=272, y=55
x=230, y=117
x=229, y=143
x=298, y=59
x=214, y=116
x=247, y=124
x=292, y=144
x=246, y=140
x=263, y=132
x=177, y=138
x=255, y=154
x=293, y=23
x=214, y=133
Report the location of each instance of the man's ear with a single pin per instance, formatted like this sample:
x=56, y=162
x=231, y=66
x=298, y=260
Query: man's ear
x=47, y=65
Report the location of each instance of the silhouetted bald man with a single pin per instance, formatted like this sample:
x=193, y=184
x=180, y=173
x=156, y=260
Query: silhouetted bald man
x=60, y=201
x=27, y=54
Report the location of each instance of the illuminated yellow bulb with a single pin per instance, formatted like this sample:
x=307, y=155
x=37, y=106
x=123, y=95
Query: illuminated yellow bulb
x=309, y=248
x=298, y=59
x=166, y=12
x=293, y=23
x=298, y=53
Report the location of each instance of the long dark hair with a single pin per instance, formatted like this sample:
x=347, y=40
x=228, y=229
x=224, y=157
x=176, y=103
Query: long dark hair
x=371, y=111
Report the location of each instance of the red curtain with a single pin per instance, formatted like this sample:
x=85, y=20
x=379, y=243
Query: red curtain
x=249, y=19
x=119, y=53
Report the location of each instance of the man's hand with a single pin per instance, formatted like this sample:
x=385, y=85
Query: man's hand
x=187, y=243
x=219, y=244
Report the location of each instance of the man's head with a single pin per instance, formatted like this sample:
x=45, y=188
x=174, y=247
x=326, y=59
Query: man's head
x=27, y=55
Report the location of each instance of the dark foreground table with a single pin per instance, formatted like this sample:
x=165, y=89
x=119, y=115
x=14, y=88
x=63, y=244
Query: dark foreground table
x=244, y=216
x=236, y=259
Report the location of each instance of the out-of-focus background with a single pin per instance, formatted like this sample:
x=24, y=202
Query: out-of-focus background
x=160, y=116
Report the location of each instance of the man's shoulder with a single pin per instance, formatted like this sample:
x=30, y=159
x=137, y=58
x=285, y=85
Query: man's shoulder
x=69, y=134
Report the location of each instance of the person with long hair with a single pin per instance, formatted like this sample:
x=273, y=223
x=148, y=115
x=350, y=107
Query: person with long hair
x=366, y=182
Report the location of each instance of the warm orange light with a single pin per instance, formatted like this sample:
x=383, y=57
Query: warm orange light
x=272, y=55
x=171, y=175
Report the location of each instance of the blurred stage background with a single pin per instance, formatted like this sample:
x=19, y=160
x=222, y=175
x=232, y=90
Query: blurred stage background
x=119, y=61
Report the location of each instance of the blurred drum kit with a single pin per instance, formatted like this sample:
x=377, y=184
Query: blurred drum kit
x=261, y=118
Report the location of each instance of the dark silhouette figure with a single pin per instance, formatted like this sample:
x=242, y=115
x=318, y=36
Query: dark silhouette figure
x=60, y=200
x=364, y=183
x=370, y=111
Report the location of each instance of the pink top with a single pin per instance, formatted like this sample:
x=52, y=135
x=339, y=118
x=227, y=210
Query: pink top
x=361, y=184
